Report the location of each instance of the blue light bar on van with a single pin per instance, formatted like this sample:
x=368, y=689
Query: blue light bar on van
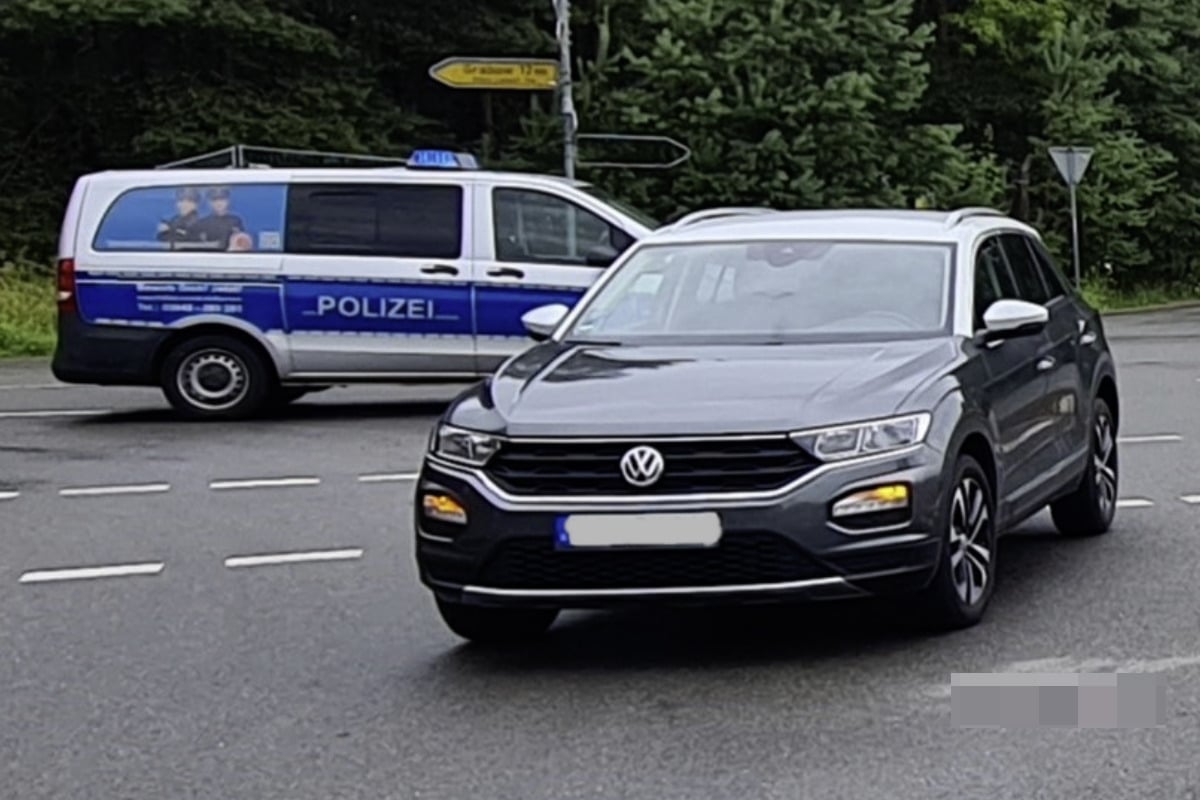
x=441, y=159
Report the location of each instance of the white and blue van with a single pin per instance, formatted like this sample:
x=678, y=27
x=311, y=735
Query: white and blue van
x=238, y=289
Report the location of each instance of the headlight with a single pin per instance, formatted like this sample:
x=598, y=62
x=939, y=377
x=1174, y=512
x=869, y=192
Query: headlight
x=864, y=438
x=467, y=447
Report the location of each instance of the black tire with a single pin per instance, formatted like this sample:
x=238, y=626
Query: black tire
x=1089, y=510
x=962, y=587
x=496, y=626
x=216, y=378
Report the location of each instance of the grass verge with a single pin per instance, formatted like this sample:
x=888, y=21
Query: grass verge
x=27, y=312
x=1106, y=297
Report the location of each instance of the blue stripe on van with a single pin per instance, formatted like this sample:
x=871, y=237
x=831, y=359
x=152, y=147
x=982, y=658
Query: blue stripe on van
x=499, y=308
x=277, y=303
x=164, y=302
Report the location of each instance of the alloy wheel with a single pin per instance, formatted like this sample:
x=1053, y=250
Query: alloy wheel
x=970, y=541
x=1104, y=464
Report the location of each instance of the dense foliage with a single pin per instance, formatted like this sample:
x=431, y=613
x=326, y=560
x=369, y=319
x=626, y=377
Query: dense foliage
x=790, y=103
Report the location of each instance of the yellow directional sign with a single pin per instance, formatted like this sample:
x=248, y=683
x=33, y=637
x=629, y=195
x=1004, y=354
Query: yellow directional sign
x=528, y=74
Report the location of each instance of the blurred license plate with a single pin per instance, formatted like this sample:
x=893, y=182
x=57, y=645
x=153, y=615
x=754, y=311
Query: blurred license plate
x=639, y=530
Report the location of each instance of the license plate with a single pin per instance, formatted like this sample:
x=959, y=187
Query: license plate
x=638, y=530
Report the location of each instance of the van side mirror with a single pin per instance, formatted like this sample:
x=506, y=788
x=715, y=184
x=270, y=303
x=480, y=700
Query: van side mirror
x=1008, y=319
x=602, y=256
x=540, y=322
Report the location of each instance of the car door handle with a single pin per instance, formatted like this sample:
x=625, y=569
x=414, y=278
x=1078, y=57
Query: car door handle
x=1046, y=363
x=506, y=272
x=1087, y=338
x=440, y=269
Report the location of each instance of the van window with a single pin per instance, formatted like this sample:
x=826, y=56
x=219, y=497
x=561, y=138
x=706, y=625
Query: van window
x=416, y=221
x=540, y=228
x=238, y=218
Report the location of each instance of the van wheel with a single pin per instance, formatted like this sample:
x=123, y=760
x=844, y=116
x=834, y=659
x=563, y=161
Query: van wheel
x=216, y=377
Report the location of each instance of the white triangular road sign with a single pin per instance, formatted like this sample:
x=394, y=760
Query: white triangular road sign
x=1072, y=162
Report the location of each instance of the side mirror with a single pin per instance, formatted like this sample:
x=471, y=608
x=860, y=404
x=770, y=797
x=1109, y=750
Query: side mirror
x=1006, y=319
x=540, y=322
x=601, y=256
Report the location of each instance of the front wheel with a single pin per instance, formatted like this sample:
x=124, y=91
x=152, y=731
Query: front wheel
x=1089, y=510
x=216, y=377
x=496, y=625
x=961, y=588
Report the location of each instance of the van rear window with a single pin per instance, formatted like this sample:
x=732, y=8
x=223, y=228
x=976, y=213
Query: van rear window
x=239, y=218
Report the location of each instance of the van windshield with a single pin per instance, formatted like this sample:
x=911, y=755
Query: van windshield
x=626, y=209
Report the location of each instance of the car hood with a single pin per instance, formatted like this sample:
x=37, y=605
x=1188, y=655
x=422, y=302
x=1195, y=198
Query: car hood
x=561, y=390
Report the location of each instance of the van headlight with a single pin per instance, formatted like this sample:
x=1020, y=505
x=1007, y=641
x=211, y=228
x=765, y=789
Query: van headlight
x=864, y=438
x=463, y=446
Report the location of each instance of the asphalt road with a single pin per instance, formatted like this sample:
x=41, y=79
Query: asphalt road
x=186, y=674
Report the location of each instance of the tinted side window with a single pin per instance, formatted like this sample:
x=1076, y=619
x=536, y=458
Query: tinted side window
x=375, y=220
x=237, y=218
x=535, y=227
x=1024, y=269
x=992, y=281
x=1050, y=274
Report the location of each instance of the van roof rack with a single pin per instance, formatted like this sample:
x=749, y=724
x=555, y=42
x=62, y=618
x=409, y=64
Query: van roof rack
x=962, y=214
x=242, y=156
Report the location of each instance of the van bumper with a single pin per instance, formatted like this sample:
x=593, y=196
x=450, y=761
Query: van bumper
x=107, y=355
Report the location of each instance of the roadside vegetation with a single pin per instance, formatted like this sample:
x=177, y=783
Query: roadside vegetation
x=27, y=311
x=793, y=104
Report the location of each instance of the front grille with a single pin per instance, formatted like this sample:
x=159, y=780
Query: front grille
x=690, y=467
x=744, y=558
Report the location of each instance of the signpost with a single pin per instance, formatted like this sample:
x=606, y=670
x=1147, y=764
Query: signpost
x=517, y=74
x=562, y=33
x=1072, y=163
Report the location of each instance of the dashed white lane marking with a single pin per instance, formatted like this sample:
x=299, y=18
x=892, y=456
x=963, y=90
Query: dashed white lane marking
x=95, y=491
x=1191, y=499
x=1158, y=438
x=294, y=558
x=391, y=477
x=1071, y=664
x=15, y=387
x=85, y=573
x=66, y=412
x=1134, y=502
x=9, y=495
x=263, y=483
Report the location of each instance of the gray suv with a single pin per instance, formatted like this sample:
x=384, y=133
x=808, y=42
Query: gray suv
x=795, y=405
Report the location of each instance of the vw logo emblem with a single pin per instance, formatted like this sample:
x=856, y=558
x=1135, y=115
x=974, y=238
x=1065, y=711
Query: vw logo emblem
x=642, y=466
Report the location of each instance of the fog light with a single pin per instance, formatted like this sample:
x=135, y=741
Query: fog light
x=873, y=501
x=443, y=507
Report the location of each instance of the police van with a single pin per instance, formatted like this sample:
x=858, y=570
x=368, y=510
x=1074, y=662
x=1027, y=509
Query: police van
x=239, y=289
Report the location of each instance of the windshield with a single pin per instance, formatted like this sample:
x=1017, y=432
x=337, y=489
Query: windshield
x=634, y=213
x=772, y=292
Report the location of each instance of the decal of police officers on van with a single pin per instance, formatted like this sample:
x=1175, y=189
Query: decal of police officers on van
x=207, y=218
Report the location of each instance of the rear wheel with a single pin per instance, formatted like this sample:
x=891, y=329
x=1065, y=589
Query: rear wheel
x=496, y=625
x=962, y=587
x=1089, y=510
x=216, y=377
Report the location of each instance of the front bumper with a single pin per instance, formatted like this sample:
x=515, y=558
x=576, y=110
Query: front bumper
x=780, y=547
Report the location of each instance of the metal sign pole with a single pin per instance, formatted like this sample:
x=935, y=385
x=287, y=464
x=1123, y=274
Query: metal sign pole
x=1072, y=163
x=562, y=32
x=1075, y=236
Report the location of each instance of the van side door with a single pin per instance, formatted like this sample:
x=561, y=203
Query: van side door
x=541, y=247
x=376, y=280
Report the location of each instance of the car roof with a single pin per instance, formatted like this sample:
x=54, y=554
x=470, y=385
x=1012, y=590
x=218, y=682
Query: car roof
x=858, y=224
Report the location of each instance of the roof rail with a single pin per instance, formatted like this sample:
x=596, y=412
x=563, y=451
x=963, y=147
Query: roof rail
x=710, y=214
x=242, y=156
x=961, y=214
